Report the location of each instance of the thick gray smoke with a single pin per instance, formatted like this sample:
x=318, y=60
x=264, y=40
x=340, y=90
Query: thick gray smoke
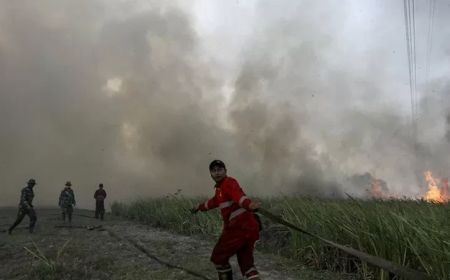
x=147, y=131
x=123, y=93
x=325, y=106
x=448, y=128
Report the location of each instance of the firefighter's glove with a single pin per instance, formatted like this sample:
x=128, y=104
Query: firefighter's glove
x=194, y=210
x=254, y=206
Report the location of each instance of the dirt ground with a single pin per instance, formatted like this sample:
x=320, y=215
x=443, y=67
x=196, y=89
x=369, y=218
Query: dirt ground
x=118, y=249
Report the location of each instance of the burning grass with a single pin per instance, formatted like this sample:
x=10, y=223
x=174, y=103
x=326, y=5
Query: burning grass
x=413, y=233
x=437, y=188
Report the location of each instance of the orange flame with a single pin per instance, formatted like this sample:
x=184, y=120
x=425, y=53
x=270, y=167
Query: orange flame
x=445, y=190
x=375, y=188
x=437, y=189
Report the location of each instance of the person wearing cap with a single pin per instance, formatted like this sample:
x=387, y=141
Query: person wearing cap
x=26, y=206
x=240, y=224
x=99, y=197
x=67, y=201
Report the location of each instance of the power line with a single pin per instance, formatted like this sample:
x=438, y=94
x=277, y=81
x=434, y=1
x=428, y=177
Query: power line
x=413, y=44
x=410, y=46
x=431, y=12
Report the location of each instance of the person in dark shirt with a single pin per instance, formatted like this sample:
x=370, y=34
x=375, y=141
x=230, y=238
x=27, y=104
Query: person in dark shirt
x=100, y=196
x=67, y=201
x=26, y=206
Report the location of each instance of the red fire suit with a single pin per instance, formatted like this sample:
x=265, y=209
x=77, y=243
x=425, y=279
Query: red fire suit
x=240, y=227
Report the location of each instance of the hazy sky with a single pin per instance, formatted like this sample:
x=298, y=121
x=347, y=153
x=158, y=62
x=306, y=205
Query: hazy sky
x=295, y=96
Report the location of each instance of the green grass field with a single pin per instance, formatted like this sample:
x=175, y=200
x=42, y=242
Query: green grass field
x=415, y=234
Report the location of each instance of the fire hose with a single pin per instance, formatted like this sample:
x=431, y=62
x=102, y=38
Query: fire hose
x=394, y=268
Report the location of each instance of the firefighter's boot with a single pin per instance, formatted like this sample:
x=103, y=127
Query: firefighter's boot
x=226, y=275
x=225, y=272
x=252, y=274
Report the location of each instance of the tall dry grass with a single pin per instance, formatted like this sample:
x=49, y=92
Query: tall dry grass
x=412, y=233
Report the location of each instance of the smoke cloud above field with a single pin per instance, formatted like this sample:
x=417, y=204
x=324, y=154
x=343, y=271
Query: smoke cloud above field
x=142, y=95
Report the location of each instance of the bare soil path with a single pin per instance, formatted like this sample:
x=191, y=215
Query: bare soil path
x=118, y=249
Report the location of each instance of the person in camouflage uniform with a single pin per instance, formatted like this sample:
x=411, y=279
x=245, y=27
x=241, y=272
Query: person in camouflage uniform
x=67, y=201
x=26, y=206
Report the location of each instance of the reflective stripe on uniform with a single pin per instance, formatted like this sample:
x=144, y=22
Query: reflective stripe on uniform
x=225, y=204
x=223, y=268
x=236, y=213
x=253, y=276
x=242, y=200
x=206, y=205
x=250, y=270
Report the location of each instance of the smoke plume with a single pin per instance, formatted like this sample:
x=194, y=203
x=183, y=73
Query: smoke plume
x=127, y=94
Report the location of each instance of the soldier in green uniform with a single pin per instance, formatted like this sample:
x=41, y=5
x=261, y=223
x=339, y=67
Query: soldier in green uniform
x=67, y=201
x=26, y=206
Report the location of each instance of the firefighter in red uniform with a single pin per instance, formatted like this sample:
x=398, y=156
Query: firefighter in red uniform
x=240, y=224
